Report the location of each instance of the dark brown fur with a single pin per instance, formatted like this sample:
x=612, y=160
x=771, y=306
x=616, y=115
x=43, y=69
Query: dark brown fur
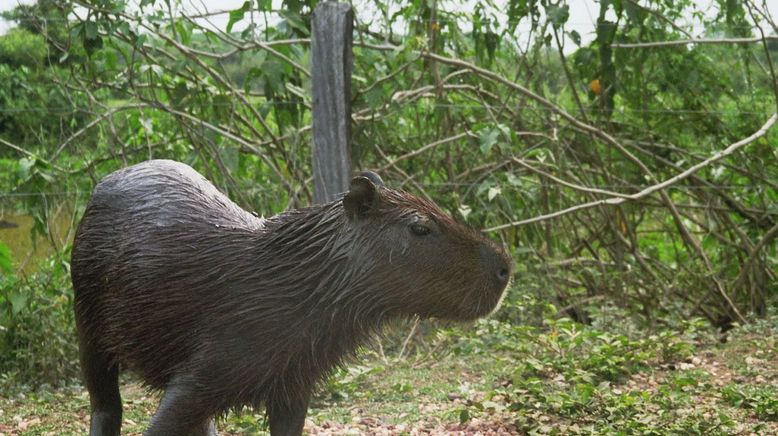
x=222, y=309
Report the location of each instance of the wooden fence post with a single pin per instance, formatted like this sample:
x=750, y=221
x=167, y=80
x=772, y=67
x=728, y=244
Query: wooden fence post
x=331, y=70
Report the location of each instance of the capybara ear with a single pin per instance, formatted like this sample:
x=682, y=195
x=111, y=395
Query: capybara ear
x=375, y=178
x=362, y=195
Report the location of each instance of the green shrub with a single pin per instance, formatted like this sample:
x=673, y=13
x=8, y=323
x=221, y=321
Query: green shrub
x=37, y=336
x=762, y=399
x=20, y=47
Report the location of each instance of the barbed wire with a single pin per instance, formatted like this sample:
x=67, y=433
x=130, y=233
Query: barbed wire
x=70, y=110
x=41, y=194
x=414, y=20
x=10, y=194
x=411, y=20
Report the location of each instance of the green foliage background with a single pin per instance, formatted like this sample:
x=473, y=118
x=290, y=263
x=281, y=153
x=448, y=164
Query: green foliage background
x=487, y=111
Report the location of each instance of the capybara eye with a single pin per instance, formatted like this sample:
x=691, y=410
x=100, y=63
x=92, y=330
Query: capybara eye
x=420, y=230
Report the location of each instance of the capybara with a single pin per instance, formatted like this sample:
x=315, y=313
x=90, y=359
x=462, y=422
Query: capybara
x=222, y=309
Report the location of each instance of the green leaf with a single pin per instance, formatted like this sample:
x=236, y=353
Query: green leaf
x=5, y=259
x=90, y=30
x=184, y=30
x=585, y=391
x=294, y=21
x=148, y=127
x=487, y=139
x=493, y=192
x=77, y=29
x=237, y=15
x=403, y=388
x=558, y=14
x=25, y=164
x=123, y=27
x=575, y=36
x=264, y=5
x=92, y=44
x=375, y=98
x=634, y=12
x=18, y=301
x=179, y=93
x=513, y=180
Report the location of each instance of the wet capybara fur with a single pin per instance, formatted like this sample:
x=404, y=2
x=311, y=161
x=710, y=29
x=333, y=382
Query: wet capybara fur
x=221, y=309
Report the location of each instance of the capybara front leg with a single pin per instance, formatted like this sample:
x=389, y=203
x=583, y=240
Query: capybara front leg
x=287, y=420
x=101, y=377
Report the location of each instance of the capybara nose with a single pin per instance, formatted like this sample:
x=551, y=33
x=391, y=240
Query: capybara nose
x=497, y=264
x=503, y=275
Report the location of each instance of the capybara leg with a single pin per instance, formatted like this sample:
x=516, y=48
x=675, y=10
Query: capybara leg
x=101, y=377
x=209, y=429
x=287, y=420
x=181, y=412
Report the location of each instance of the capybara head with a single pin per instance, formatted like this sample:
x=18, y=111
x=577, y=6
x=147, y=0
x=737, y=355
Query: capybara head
x=426, y=263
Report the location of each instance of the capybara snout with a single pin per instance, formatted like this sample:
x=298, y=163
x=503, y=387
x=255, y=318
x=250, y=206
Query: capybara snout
x=497, y=264
x=425, y=262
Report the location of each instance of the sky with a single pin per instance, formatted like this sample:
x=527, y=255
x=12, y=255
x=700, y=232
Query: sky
x=583, y=13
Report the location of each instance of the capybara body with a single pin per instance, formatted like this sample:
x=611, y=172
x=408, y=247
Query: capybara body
x=222, y=309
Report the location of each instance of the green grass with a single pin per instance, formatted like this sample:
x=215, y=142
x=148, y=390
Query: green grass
x=561, y=379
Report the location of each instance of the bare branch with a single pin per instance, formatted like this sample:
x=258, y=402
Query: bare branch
x=651, y=189
x=421, y=150
x=568, y=184
x=696, y=41
x=93, y=123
